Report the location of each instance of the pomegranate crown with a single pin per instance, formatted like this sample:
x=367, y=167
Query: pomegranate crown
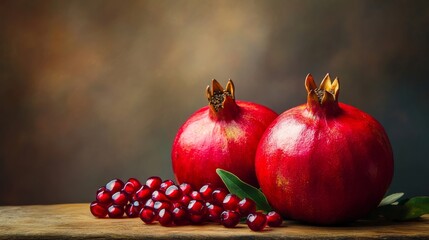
x=218, y=97
x=325, y=94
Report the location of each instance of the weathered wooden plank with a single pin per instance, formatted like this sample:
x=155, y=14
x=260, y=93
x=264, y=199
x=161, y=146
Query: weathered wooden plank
x=71, y=221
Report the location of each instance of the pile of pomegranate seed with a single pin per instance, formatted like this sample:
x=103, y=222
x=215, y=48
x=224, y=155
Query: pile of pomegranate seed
x=171, y=204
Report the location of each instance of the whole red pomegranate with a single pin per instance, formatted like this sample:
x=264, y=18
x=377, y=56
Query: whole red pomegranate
x=324, y=162
x=224, y=135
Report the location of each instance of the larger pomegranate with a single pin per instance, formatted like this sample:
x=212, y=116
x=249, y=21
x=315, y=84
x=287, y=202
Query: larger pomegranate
x=324, y=162
x=224, y=134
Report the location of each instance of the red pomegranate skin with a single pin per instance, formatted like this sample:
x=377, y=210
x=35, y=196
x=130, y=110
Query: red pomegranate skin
x=324, y=164
x=224, y=139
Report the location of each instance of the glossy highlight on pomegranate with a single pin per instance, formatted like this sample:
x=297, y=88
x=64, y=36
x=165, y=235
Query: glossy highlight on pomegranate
x=224, y=134
x=324, y=162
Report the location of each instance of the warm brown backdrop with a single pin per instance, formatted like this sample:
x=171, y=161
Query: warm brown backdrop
x=91, y=90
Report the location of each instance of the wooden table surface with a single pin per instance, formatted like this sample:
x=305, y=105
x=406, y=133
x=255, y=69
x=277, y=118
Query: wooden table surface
x=74, y=221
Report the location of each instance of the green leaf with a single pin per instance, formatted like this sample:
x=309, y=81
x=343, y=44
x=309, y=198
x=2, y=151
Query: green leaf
x=416, y=207
x=244, y=190
x=390, y=199
x=407, y=209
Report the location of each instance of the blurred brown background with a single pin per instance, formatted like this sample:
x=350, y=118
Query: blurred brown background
x=92, y=90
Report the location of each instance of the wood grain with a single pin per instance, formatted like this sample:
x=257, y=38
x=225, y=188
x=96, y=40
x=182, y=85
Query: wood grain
x=74, y=221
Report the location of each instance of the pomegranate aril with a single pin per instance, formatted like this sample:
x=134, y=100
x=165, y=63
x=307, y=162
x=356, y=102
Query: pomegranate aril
x=132, y=210
x=218, y=195
x=115, y=185
x=256, y=221
x=164, y=185
x=147, y=215
x=274, y=219
x=131, y=186
x=149, y=203
x=196, y=195
x=165, y=217
x=115, y=211
x=158, y=205
x=196, y=207
x=120, y=198
x=185, y=200
x=229, y=218
x=246, y=206
x=206, y=191
x=137, y=184
x=214, y=212
x=103, y=188
x=143, y=194
x=104, y=196
x=230, y=202
x=173, y=192
x=154, y=182
x=159, y=196
x=98, y=210
x=180, y=216
x=186, y=188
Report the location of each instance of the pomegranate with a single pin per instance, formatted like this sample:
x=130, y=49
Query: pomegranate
x=324, y=162
x=224, y=135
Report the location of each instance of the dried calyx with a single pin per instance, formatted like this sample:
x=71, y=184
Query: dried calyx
x=324, y=95
x=220, y=98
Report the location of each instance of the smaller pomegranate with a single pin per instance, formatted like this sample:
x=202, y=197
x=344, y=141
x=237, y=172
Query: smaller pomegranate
x=224, y=135
x=324, y=162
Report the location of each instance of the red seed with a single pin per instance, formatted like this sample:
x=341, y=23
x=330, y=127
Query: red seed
x=206, y=191
x=256, y=221
x=196, y=195
x=135, y=182
x=274, y=219
x=115, y=211
x=147, y=215
x=159, y=196
x=143, y=194
x=115, y=185
x=230, y=202
x=185, y=200
x=103, y=188
x=120, y=198
x=158, y=205
x=165, y=217
x=153, y=182
x=246, y=206
x=131, y=186
x=186, y=188
x=214, y=212
x=218, y=195
x=229, y=218
x=180, y=216
x=132, y=210
x=104, y=196
x=164, y=185
x=196, y=207
x=98, y=210
x=173, y=193
x=149, y=203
